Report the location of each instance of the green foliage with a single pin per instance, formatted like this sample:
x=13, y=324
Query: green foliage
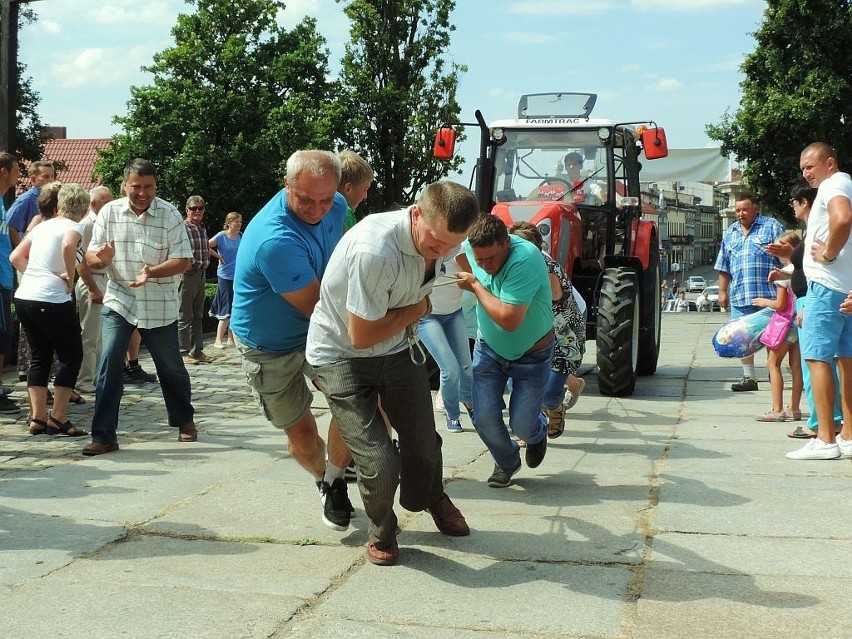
x=797, y=90
x=397, y=88
x=230, y=101
x=28, y=125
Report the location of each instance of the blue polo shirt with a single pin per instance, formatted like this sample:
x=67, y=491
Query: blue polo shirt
x=280, y=254
x=7, y=279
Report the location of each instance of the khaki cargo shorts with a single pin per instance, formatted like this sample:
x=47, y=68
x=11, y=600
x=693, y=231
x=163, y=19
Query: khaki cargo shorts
x=278, y=384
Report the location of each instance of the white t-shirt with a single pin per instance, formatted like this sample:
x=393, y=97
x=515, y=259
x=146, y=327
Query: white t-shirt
x=41, y=281
x=836, y=276
x=447, y=299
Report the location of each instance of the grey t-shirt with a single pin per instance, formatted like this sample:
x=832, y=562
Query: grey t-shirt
x=374, y=268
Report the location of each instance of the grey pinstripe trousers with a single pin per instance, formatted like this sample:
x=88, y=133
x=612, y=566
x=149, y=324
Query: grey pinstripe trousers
x=352, y=388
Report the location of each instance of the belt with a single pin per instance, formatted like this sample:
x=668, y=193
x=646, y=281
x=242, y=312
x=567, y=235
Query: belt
x=543, y=342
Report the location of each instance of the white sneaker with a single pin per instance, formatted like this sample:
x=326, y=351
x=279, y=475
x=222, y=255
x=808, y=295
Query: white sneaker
x=439, y=403
x=816, y=449
x=845, y=446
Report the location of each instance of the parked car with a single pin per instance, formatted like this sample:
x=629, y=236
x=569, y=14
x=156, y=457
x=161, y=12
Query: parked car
x=712, y=295
x=695, y=283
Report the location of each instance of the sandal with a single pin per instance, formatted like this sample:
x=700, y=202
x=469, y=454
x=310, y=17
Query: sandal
x=801, y=432
x=41, y=426
x=76, y=398
x=68, y=429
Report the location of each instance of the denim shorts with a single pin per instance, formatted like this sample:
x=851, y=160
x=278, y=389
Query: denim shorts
x=826, y=332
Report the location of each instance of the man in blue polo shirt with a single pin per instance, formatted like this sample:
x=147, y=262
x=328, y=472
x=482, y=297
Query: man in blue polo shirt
x=282, y=258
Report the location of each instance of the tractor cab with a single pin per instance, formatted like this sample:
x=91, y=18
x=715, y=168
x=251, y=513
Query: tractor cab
x=576, y=177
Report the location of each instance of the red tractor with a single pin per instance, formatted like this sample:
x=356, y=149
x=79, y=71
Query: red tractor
x=577, y=179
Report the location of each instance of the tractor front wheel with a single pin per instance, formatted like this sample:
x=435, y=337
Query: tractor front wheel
x=618, y=332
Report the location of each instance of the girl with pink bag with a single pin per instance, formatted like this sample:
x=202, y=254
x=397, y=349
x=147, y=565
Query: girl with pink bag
x=780, y=345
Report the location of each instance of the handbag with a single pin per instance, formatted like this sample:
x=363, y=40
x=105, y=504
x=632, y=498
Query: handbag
x=779, y=324
x=740, y=337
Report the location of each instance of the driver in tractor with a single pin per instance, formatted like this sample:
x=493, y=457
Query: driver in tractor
x=570, y=175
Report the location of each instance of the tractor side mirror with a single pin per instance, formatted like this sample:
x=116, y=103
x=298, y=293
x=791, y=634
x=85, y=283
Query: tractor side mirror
x=445, y=143
x=654, y=143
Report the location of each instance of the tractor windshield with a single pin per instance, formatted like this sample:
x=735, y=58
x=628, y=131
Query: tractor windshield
x=552, y=164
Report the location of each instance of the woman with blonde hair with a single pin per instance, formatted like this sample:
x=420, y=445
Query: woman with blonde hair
x=47, y=257
x=223, y=246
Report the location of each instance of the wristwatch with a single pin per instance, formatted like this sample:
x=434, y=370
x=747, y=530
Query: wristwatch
x=827, y=259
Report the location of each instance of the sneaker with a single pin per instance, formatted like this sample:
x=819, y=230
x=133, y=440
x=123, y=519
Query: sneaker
x=349, y=473
x=336, y=507
x=388, y=556
x=571, y=398
x=845, y=446
x=772, y=416
x=816, y=449
x=137, y=375
x=448, y=518
x=439, y=403
x=745, y=384
x=535, y=453
x=454, y=426
x=501, y=478
x=8, y=406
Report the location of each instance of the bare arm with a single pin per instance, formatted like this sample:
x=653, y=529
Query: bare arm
x=555, y=287
x=367, y=333
x=96, y=295
x=839, y=226
x=507, y=316
x=173, y=266
x=724, y=282
x=777, y=304
x=20, y=257
x=211, y=244
x=305, y=298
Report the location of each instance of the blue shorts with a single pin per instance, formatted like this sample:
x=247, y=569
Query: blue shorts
x=739, y=311
x=826, y=332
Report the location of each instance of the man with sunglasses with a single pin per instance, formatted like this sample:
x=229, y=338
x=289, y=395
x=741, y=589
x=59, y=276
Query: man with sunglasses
x=362, y=343
x=190, y=322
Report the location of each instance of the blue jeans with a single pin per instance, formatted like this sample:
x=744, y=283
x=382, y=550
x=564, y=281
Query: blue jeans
x=529, y=375
x=446, y=338
x=554, y=390
x=162, y=344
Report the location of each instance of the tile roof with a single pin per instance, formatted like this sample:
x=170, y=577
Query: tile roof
x=79, y=157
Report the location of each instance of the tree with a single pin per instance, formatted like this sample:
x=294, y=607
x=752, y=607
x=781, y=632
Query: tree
x=230, y=101
x=397, y=88
x=28, y=126
x=797, y=90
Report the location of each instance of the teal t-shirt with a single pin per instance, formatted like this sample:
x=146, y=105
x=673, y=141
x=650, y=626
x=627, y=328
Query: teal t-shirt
x=522, y=281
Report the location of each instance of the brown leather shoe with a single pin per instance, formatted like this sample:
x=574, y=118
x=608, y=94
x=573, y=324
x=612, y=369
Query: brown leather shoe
x=188, y=433
x=97, y=448
x=383, y=556
x=448, y=518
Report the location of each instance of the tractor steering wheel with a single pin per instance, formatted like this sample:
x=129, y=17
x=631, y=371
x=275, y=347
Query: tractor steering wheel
x=549, y=180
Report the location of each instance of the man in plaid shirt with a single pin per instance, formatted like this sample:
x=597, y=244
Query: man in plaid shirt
x=190, y=322
x=142, y=243
x=744, y=264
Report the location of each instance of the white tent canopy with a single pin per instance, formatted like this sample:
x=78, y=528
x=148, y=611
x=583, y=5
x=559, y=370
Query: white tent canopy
x=688, y=165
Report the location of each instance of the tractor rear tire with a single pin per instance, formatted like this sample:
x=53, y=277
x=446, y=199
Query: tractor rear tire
x=618, y=332
x=649, y=330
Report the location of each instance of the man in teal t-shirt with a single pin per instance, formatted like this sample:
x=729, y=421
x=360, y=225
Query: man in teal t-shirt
x=510, y=280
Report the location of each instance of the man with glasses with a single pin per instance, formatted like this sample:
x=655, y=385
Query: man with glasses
x=191, y=319
x=282, y=258
x=362, y=343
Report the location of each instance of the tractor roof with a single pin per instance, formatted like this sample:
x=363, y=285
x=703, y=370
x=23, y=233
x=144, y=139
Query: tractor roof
x=551, y=110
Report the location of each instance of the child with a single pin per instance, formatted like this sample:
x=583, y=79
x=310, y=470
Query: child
x=776, y=355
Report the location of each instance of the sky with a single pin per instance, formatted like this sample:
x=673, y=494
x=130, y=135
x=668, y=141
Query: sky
x=675, y=62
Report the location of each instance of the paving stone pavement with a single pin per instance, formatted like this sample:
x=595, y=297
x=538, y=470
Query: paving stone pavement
x=670, y=514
